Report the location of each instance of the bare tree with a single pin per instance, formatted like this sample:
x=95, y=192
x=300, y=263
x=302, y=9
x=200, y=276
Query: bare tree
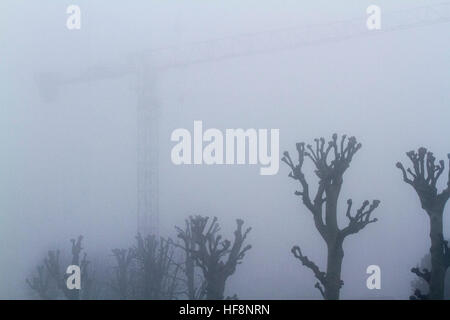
x=156, y=269
x=195, y=283
x=122, y=274
x=51, y=275
x=216, y=258
x=423, y=178
x=324, y=205
x=147, y=270
x=40, y=284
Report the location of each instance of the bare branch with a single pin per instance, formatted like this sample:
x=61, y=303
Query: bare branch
x=405, y=176
x=425, y=274
x=321, y=289
x=297, y=174
x=361, y=219
x=321, y=276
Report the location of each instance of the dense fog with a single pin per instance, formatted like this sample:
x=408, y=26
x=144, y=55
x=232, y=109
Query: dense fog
x=68, y=164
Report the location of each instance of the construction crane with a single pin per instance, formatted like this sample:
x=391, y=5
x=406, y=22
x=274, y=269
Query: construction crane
x=148, y=64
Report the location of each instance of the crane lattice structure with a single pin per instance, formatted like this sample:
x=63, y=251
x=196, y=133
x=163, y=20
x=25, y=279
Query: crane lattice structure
x=147, y=64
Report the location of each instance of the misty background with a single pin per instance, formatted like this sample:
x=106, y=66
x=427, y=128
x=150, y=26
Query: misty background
x=68, y=167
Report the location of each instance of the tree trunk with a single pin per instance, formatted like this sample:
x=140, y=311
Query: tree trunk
x=215, y=289
x=334, y=265
x=190, y=274
x=334, y=243
x=437, y=256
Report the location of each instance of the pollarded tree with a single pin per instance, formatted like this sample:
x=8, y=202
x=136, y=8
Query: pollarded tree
x=51, y=277
x=217, y=258
x=423, y=178
x=331, y=161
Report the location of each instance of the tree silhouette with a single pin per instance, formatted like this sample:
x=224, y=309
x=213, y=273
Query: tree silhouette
x=421, y=284
x=216, y=258
x=324, y=205
x=423, y=178
x=50, y=280
x=147, y=270
x=157, y=267
x=123, y=283
x=195, y=284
